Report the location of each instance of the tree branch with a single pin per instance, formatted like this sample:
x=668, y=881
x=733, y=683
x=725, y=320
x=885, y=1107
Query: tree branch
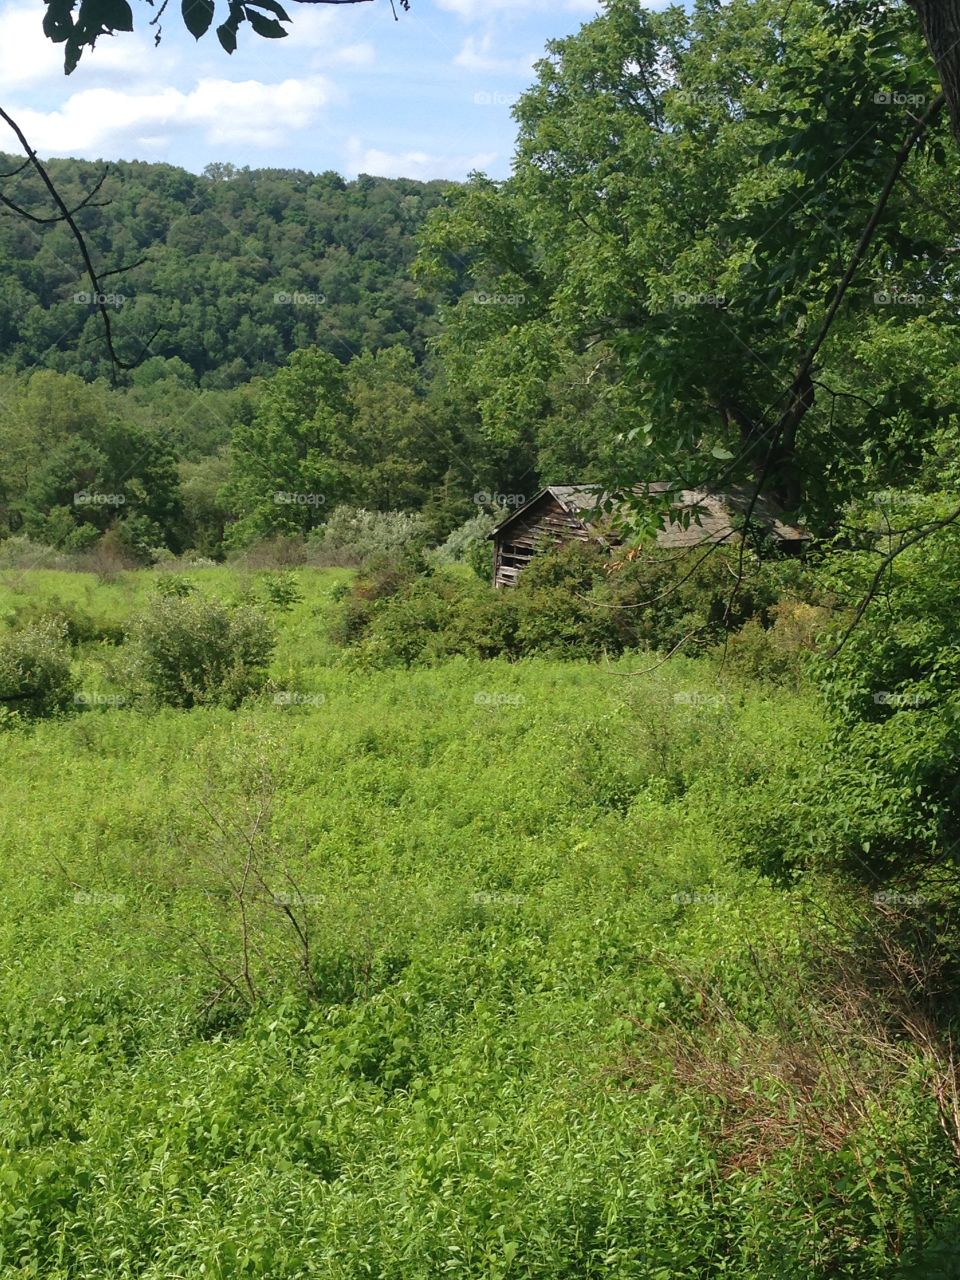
x=66, y=215
x=885, y=564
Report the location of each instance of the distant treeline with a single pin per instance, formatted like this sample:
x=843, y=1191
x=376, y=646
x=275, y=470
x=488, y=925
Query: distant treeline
x=237, y=267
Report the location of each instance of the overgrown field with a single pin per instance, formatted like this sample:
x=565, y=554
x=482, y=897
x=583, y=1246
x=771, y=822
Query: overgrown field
x=459, y=971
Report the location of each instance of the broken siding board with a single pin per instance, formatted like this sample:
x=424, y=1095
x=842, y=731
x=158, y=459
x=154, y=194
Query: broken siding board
x=543, y=523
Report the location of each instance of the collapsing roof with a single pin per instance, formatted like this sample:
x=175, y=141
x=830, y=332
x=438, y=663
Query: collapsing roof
x=561, y=513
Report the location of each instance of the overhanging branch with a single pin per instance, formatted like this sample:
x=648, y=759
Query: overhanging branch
x=66, y=215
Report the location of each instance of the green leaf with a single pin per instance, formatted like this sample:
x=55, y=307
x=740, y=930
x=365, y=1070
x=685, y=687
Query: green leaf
x=227, y=35
x=58, y=21
x=272, y=7
x=197, y=16
x=269, y=28
x=72, y=54
x=111, y=15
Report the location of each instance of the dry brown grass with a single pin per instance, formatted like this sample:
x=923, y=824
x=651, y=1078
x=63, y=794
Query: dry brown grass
x=842, y=1033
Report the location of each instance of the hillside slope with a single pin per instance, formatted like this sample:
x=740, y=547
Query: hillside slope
x=237, y=267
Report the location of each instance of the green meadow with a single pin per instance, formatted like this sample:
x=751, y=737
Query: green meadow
x=464, y=971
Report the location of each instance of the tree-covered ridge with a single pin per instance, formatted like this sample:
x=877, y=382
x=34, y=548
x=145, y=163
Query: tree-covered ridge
x=237, y=267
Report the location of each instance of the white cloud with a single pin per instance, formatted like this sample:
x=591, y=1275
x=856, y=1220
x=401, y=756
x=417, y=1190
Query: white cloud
x=413, y=164
x=29, y=60
x=477, y=55
x=187, y=103
x=26, y=56
x=98, y=122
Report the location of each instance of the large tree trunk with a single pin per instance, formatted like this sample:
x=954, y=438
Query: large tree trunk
x=940, y=21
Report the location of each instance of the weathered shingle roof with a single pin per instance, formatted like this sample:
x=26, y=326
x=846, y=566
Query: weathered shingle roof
x=717, y=521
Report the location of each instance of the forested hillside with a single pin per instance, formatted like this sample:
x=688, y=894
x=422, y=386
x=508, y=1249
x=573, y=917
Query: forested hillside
x=237, y=268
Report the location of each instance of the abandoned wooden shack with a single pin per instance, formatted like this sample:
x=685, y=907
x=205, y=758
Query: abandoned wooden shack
x=561, y=513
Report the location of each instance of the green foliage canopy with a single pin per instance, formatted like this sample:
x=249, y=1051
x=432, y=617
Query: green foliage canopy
x=688, y=191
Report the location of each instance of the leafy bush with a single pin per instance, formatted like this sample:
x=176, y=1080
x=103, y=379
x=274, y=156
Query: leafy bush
x=79, y=626
x=35, y=675
x=778, y=653
x=109, y=556
x=22, y=552
x=279, y=552
x=172, y=585
x=469, y=544
x=138, y=537
x=879, y=799
x=282, y=590
x=354, y=536
x=568, y=603
x=675, y=599
x=189, y=651
x=395, y=615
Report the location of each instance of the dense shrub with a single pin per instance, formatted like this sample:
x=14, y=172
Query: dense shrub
x=690, y=597
x=397, y=616
x=78, y=626
x=189, y=651
x=282, y=590
x=108, y=557
x=21, y=552
x=779, y=653
x=568, y=603
x=891, y=682
x=273, y=553
x=354, y=536
x=172, y=585
x=35, y=676
x=470, y=544
x=879, y=798
x=137, y=537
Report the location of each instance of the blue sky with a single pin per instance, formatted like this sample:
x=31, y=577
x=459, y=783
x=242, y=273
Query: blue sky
x=350, y=89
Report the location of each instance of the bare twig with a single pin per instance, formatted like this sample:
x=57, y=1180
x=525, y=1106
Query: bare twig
x=66, y=215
